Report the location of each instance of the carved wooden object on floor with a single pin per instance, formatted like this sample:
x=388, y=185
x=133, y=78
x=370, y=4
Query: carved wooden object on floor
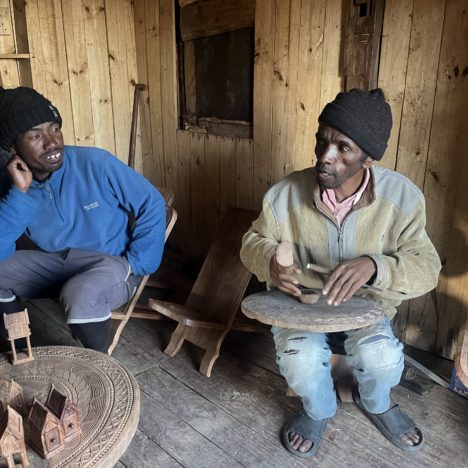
x=66, y=412
x=210, y=311
x=45, y=431
x=11, y=394
x=281, y=310
x=106, y=396
x=17, y=326
x=12, y=438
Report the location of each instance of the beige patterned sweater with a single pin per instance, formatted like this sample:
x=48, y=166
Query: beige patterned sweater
x=387, y=224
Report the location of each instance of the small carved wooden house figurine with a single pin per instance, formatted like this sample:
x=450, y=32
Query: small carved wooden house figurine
x=66, y=412
x=17, y=326
x=11, y=394
x=45, y=430
x=12, y=437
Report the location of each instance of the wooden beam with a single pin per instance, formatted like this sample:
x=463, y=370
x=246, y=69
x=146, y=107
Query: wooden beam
x=15, y=56
x=184, y=3
x=362, y=44
x=215, y=17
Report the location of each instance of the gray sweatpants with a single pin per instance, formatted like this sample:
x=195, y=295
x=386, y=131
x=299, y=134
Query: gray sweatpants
x=89, y=284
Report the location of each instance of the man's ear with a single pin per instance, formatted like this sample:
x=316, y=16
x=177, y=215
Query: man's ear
x=368, y=162
x=13, y=150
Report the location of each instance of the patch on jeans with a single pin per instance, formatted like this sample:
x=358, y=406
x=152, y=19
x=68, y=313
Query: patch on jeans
x=374, y=339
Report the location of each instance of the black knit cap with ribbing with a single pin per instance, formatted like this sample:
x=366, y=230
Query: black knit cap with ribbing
x=363, y=116
x=22, y=109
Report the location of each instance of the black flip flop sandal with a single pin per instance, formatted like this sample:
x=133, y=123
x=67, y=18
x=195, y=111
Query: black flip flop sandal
x=308, y=428
x=393, y=424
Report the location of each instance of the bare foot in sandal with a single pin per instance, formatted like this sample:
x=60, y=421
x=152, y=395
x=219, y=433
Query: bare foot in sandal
x=302, y=435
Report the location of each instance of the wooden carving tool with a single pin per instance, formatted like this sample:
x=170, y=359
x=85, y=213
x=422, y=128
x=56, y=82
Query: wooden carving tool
x=284, y=257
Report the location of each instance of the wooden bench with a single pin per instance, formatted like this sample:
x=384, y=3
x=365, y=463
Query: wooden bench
x=211, y=308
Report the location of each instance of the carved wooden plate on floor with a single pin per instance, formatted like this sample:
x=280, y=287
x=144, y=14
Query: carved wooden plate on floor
x=281, y=310
x=106, y=394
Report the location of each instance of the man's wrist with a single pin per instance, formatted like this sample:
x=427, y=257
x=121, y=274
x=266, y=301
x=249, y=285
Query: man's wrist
x=371, y=280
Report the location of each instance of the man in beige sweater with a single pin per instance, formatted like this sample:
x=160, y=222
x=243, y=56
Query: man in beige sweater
x=367, y=225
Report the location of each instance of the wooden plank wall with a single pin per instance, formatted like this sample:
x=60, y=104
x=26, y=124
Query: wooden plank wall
x=83, y=58
x=9, y=72
x=86, y=55
x=423, y=71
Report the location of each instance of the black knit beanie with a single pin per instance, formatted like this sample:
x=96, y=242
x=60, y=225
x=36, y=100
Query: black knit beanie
x=20, y=110
x=363, y=116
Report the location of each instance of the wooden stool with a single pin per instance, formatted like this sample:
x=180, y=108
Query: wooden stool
x=281, y=310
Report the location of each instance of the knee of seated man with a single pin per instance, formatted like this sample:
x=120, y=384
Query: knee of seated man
x=302, y=350
x=72, y=296
x=379, y=351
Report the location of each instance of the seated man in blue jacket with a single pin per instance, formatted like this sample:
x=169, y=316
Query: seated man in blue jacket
x=74, y=204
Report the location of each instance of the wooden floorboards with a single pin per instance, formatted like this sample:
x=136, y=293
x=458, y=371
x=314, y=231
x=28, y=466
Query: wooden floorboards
x=233, y=418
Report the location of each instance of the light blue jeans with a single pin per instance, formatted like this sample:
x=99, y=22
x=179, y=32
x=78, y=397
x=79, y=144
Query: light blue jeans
x=373, y=353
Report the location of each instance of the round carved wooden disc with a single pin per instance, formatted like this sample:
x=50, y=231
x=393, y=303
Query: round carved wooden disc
x=106, y=394
x=279, y=309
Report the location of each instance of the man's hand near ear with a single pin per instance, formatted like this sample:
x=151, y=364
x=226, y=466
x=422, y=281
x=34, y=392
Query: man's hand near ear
x=20, y=175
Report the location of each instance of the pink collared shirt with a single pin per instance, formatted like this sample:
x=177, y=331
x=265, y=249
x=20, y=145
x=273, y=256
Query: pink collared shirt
x=341, y=209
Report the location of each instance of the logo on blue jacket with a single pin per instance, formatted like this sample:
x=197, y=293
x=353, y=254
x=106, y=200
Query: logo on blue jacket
x=91, y=206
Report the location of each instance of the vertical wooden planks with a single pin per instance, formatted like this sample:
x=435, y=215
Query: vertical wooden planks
x=198, y=235
x=99, y=77
x=309, y=81
x=78, y=72
x=446, y=174
x=22, y=43
x=49, y=59
x=292, y=103
x=393, y=66
x=280, y=89
x=423, y=58
x=9, y=76
x=153, y=80
x=122, y=66
x=244, y=173
x=36, y=47
x=332, y=80
x=168, y=89
x=147, y=160
x=227, y=175
x=182, y=202
x=212, y=183
x=262, y=100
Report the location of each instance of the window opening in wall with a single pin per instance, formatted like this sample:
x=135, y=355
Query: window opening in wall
x=216, y=57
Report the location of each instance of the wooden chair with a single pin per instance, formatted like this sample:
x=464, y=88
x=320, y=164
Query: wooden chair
x=211, y=308
x=132, y=308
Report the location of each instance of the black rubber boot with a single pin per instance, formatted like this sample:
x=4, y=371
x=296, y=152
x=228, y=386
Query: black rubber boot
x=93, y=335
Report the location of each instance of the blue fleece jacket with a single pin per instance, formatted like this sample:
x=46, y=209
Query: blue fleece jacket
x=85, y=205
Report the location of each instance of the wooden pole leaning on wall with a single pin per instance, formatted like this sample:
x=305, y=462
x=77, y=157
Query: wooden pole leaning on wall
x=136, y=102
